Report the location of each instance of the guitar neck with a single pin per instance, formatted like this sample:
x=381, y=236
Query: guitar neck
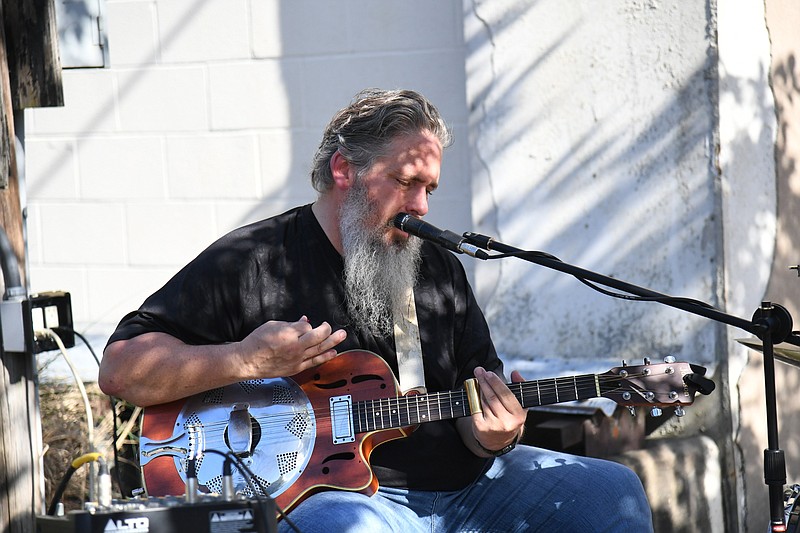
x=388, y=413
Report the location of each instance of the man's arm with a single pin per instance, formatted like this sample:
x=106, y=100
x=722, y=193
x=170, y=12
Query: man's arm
x=502, y=420
x=155, y=367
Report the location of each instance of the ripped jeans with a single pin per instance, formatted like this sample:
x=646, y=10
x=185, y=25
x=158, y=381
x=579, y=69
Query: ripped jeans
x=529, y=489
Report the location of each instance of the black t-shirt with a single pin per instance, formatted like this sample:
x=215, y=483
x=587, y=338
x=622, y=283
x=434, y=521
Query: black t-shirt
x=285, y=267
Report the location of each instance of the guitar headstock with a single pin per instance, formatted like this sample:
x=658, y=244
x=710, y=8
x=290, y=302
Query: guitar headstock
x=668, y=384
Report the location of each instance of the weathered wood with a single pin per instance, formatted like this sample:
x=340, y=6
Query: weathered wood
x=19, y=501
x=10, y=208
x=30, y=76
x=6, y=113
x=33, y=61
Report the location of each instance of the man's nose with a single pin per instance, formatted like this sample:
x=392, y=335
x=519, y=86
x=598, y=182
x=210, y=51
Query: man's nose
x=417, y=204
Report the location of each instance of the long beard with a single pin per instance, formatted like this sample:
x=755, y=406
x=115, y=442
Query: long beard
x=377, y=275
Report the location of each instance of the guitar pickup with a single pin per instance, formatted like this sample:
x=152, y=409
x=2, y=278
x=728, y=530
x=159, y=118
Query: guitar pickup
x=342, y=419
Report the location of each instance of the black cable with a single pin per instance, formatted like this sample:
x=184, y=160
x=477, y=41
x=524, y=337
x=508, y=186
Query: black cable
x=660, y=299
x=62, y=486
x=261, y=494
x=112, y=400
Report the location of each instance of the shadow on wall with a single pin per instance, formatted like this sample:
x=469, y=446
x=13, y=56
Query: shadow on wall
x=783, y=288
x=647, y=212
x=104, y=109
x=784, y=285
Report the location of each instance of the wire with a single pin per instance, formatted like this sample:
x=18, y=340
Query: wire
x=249, y=477
x=116, y=442
x=76, y=463
x=81, y=337
x=661, y=299
x=86, y=405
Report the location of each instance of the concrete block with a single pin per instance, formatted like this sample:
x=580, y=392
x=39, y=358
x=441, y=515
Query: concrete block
x=232, y=215
x=60, y=278
x=168, y=235
x=82, y=233
x=121, y=167
x=380, y=26
x=89, y=105
x=212, y=167
x=114, y=292
x=286, y=159
x=164, y=99
x=132, y=33
x=454, y=182
x=297, y=28
x=253, y=94
x=329, y=83
x=683, y=483
x=203, y=31
x=34, y=231
x=50, y=169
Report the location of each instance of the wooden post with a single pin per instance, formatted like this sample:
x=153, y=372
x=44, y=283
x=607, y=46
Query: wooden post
x=30, y=76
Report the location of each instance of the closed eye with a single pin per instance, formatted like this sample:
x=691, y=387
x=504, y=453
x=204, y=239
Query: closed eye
x=406, y=183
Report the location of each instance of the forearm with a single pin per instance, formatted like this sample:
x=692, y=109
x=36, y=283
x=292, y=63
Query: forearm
x=156, y=368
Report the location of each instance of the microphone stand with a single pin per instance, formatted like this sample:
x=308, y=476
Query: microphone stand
x=771, y=323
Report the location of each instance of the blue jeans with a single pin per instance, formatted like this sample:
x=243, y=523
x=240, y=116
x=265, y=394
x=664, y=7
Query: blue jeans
x=529, y=489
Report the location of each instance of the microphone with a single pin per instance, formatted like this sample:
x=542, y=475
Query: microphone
x=444, y=238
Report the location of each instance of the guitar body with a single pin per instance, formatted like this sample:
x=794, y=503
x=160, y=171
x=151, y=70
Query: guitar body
x=294, y=450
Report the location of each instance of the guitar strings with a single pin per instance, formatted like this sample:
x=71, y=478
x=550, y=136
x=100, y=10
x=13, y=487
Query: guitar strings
x=406, y=409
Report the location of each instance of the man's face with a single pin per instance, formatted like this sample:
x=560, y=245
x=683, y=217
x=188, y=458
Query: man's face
x=401, y=181
x=380, y=263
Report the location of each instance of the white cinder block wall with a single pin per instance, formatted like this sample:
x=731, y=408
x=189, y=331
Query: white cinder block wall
x=586, y=129
x=206, y=119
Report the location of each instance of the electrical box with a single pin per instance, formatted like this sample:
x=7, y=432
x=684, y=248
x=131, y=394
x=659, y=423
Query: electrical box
x=52, y=310
x=15, y=322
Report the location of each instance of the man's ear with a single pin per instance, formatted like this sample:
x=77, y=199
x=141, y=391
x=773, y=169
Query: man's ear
x=342, y=171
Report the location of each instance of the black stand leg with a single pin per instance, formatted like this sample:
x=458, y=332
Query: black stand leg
x=774, y=461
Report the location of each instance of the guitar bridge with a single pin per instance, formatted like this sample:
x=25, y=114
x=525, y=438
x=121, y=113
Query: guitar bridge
x=342, y=419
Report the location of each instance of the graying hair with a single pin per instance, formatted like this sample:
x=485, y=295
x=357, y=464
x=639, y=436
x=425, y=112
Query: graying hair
x=363, y=131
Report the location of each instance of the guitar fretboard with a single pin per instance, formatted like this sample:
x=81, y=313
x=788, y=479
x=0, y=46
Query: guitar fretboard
x=388, y=413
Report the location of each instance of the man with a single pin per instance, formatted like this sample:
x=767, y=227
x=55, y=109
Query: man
x=283, y=295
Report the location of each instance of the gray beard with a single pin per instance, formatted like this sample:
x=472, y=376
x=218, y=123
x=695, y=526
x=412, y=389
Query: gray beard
x=377, y=276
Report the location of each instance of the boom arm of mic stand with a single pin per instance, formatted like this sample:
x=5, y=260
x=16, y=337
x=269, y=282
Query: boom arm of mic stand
x=771, y=323
x=757, y=326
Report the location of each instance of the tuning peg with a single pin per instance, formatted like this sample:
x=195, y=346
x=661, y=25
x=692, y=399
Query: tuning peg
x=679, y=411
x=647, y=360
x=632, y=410
x=699, y=383
x=669, y=359
x=655, y=412
x=624, y=362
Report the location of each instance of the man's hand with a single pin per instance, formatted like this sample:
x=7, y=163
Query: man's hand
x=279, y=349
x=502, y=419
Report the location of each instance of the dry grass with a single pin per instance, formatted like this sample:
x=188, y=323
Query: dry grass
x=65, y=437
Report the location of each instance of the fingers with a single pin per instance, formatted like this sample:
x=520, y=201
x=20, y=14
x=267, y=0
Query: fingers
x=317, y=341
x=496, y=396
x=503, y=417
x=279, y=348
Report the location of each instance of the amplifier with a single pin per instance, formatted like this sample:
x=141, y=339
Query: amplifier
x=210, y=514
